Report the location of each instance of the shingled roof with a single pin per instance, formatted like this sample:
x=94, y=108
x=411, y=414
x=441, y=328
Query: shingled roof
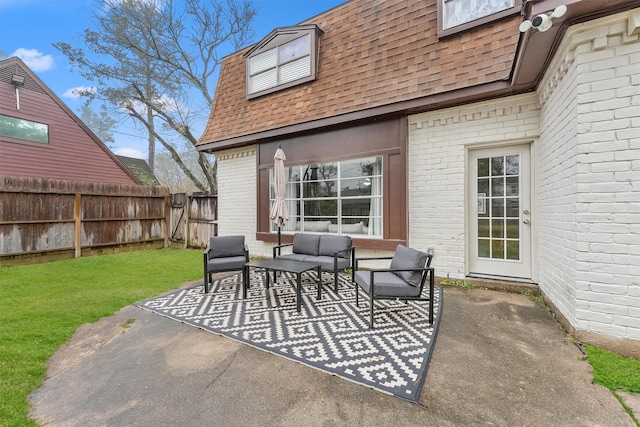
x=372, y=54
x=380, y=58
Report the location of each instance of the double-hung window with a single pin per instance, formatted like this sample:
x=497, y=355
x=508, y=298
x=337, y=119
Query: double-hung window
x=285, y=58
x=343, y=197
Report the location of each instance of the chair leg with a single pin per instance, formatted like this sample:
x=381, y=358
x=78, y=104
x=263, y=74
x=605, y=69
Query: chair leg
x=357, y=302
x=371, y=308
x=335, y=280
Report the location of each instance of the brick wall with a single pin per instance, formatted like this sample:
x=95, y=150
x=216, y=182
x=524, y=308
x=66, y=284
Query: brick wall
x=590, y=178
x=237, y=200
x=437, y=154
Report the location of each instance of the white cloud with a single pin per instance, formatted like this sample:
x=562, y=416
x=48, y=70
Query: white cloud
x=130, y=152
x=35, y=59
x=74, y=91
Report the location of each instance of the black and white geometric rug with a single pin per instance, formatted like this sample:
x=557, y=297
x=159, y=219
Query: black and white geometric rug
x=331, y=335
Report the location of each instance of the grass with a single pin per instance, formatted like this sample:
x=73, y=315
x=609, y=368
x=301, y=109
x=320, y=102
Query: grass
x=615, y=372
x=42, y=305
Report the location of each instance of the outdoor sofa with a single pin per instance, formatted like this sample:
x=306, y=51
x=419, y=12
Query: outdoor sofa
x=334, y=253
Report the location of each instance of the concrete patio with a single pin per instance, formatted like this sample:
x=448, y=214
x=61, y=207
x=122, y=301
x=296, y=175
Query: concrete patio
x=500, y=359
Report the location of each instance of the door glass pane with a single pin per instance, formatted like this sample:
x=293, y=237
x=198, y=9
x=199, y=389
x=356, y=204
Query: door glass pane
x=497, y=187
x=497, y=166
x=484, y=250
x=497, y=249
x=512, y=165
x=483, y=228
x=513, y=186
x=483, y=167
x=483, y=187
x=513, y=249
x=497, y=228
x=513, y=207
x=513, y=228
x=497, y=208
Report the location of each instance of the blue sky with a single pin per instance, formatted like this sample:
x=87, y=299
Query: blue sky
x=29, y=27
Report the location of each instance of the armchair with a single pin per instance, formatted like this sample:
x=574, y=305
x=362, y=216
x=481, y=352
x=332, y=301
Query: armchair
x=403, y=280
x=224, y=253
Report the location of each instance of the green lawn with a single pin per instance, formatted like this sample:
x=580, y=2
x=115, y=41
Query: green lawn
x=42, y=305
x=615, y=372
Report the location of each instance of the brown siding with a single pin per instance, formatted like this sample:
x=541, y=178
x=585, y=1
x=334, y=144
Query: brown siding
x=384, y=138
x=372, y=53
x=71, y=153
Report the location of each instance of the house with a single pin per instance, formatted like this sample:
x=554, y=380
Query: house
x=41, y=137
x=140, y=168
x=510, y=155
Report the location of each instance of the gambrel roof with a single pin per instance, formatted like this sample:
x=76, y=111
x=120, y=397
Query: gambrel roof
x=379, y=58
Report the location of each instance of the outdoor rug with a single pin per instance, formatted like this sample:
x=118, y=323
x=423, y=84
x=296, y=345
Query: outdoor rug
x=331, y=335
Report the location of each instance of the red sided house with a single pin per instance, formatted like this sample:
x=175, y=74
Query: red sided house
x=41, y=137
x=502, y=136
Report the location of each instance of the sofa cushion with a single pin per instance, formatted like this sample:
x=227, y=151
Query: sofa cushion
x=226, y=263
x=329, y=245
x=409, y=258
x=226, y=246
x=385, y=283
x=306, y=244
x=326, y=262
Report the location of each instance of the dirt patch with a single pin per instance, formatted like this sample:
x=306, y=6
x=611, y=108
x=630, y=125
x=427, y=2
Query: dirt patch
x=90, y=337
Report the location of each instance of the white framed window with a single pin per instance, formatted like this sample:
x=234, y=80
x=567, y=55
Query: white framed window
x=457, y=12
x=343, y=197
x=285, y=58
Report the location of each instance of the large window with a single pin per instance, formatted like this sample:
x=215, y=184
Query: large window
x=343, y=197
x=14, y=127
x=283, y=59
x=457, y=12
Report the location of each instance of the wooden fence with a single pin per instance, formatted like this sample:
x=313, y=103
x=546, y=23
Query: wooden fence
x=193, y=219
x=44, y=220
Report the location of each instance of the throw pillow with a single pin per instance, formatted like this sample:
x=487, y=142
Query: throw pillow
x=409, y=258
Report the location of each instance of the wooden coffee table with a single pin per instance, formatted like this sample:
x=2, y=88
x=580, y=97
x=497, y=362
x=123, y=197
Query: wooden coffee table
x=284, y=265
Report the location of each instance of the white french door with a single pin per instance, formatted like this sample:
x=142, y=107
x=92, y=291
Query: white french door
x=500, y=211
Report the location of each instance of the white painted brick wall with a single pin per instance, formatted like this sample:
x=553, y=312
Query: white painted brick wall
x=437, y=155
x=237, y=199
x=589, y=178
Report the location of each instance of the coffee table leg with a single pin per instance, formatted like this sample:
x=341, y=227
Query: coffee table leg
x=245, y=281
x=319, y=284
x=299, y=290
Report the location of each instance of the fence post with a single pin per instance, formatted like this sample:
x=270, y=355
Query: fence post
x=77, y=216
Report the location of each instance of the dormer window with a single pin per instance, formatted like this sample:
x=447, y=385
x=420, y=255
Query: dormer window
x=285, y=58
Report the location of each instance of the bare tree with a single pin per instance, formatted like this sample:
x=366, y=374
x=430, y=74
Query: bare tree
x=155, y=61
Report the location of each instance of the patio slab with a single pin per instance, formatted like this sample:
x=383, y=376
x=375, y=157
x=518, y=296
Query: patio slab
x=499, y=359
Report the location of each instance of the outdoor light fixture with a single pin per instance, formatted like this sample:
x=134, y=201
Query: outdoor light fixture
x=543, y=21
x=17, y=80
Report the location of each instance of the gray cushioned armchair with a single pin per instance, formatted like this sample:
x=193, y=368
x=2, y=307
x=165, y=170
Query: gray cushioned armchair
x=224, y=253
x=403, y=280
